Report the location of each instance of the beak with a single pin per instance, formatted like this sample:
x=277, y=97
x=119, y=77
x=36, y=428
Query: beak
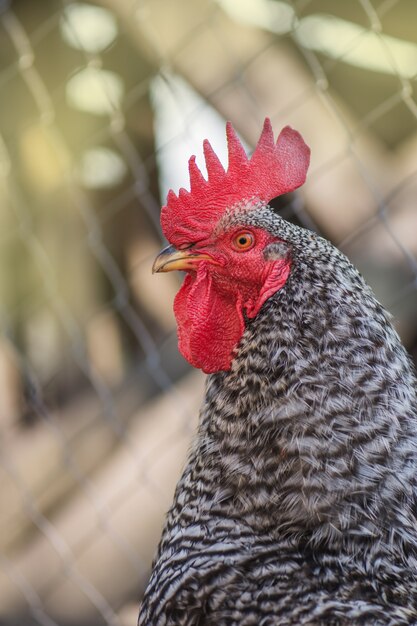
x=170, y=259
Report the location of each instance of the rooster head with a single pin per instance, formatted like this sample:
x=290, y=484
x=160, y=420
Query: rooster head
x=231, y=265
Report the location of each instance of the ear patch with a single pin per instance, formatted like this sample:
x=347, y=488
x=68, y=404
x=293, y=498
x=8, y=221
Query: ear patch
x=277, y=251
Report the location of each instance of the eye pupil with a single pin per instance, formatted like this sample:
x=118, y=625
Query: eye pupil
x=242, y=241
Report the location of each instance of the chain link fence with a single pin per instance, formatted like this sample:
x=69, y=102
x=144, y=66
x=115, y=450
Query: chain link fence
x=101, y=105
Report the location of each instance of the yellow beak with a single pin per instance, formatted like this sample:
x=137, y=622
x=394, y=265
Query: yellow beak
x=170, y=259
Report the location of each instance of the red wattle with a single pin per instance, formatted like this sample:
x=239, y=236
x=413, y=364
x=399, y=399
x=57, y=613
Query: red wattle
x=209, y=313
x=210, y=322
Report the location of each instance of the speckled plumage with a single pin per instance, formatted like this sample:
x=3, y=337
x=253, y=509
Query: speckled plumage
x=298, y=503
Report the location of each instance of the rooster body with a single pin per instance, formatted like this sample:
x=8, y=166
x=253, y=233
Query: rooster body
x=298, y=505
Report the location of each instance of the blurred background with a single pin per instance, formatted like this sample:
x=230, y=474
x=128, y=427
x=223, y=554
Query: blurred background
x=101, y=104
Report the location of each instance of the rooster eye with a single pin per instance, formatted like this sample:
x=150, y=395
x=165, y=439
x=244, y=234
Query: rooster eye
x=243, y=241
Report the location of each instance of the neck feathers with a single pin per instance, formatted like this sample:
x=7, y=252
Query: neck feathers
x=315, y=423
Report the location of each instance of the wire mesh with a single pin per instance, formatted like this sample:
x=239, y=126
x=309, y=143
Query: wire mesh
x=101, y=106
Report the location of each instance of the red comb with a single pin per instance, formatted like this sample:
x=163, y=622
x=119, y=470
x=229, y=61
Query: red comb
x=273, y=169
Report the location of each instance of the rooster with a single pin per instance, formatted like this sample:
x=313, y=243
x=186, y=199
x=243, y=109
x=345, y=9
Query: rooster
x=298, y=503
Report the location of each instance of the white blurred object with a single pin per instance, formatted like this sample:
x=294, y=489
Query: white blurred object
x=87, y=27
x=271, y=15
x=95, y=90
x=358, y=46
x=101, y=167
x=182, y=121
x=337, y=38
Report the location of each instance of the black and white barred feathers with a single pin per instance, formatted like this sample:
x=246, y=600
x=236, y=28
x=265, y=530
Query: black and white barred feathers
x=298, y=505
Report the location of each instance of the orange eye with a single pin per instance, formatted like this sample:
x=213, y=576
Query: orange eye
x=243, y=241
